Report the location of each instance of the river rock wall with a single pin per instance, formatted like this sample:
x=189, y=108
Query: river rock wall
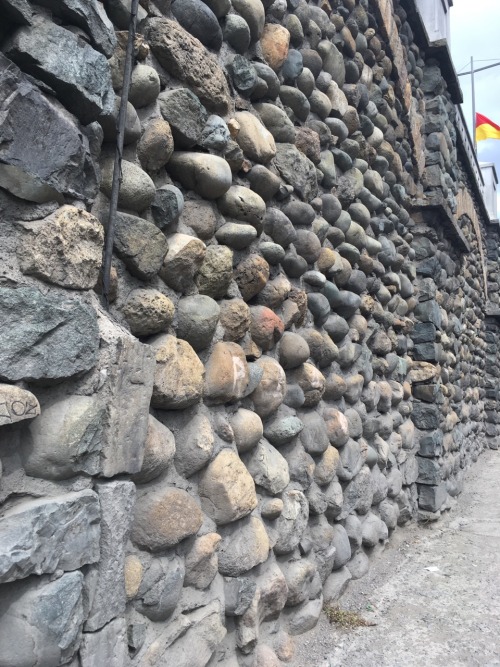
x=296, y=359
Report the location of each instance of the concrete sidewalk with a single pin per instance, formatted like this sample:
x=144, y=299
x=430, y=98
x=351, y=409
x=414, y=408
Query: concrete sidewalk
x=434, y=593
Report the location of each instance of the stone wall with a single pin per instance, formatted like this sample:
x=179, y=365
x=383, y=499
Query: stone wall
x=300, y=353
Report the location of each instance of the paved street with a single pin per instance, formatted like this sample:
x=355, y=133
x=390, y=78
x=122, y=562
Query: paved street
x=434, y=592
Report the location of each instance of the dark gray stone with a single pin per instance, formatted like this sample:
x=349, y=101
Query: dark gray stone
x=319, y=307
x=270, y=77
x=105, y=579
x=167, y=207
x=107, y=647
x=48, y=534
x=14, y=209
x=423, y=332
x=243, y=74
x=432, y=498
x=237, y=33
x=89, y=15
x=297, y=170
x=296, y=101
x=425, y=416
x=279, y=227
x=197, y=320
x=160, y=588
x=60, y=164
x=80, y=75
x=45, y=618
x=18, y=11
x=431, y=444
x=429, y=471
x=45, y=338
x=292, y=66
x=196, y=17
x=109, y=123
x=429, y=311
x=140, y=244
x=215, y=135
x=185, y=114
x=277, y=122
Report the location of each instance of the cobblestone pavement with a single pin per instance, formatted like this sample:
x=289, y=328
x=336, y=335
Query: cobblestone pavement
x=433, y=593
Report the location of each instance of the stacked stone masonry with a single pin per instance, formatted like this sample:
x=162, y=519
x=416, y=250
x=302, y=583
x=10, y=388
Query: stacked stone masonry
x=301, y=349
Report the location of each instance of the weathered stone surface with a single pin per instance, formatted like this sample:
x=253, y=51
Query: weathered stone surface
x=432, y=498
x=140, y=244
x=79, y=75
x=226, y=489
x=65, y=439
x=156, y=146
x=235, y=318
x=208, y=175
x=108, y=647
x=292, y=521
x=311, y=381
x=127, y=368
x=194, y=445
x=296, y=169
x=159, y=451
x=266, y=327
x=216, y=272
x=336, y=584
x=185, y=115
x=251, y=276
x=164, y=517
x=148, y=312
x=268, y=467
x=186, y=58
x=45, y=617
x=197, y=318
x=160, y=588
x=226, y=374
x=17, y=404
x=62, y=165
x=270, y=391
x=202, y=561
x=244, y=545
x=178, y=381
x=314, y=436
x=64, y=249
x=107, y=599
x=256, y=142
x=48, y=534
x=56, y=340
x=243, y=204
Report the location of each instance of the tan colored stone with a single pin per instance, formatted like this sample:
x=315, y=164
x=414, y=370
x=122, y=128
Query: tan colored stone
x=326, y=466
x=226, y=373
x=159, y=451
x=148, y=312
x=275, y=41
x=156, y=145
x=64, y=249
x=183, y=56
x=327, y=258
x=337, y=426
x=251, y=276
x=422, y=371
x=270, y=392
x=254, y=139
x=184, y=258
x=247, y=428
x=216, y=271
x=17, y=404
x=133, y=571
x=226, y=489
x=202, y=562
x=235, y=318
x=164, y=517
x=178, y=376
x=311, y=381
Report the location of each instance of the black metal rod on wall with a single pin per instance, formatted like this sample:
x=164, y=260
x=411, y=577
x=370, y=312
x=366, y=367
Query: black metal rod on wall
x=117, y=168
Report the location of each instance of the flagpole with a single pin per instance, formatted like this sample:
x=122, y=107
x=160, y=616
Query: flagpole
x=473, y=103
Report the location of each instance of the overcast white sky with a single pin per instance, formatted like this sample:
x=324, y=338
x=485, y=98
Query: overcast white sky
x=475, y=31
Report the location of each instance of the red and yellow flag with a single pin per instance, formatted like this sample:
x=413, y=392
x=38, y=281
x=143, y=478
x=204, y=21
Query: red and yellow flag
x=486, y=128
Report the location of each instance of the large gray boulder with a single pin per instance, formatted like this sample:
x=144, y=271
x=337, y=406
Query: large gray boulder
x=48, y=534
x=41, y=621
x=58, y=160
x=78, y=74
x=45, y=337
